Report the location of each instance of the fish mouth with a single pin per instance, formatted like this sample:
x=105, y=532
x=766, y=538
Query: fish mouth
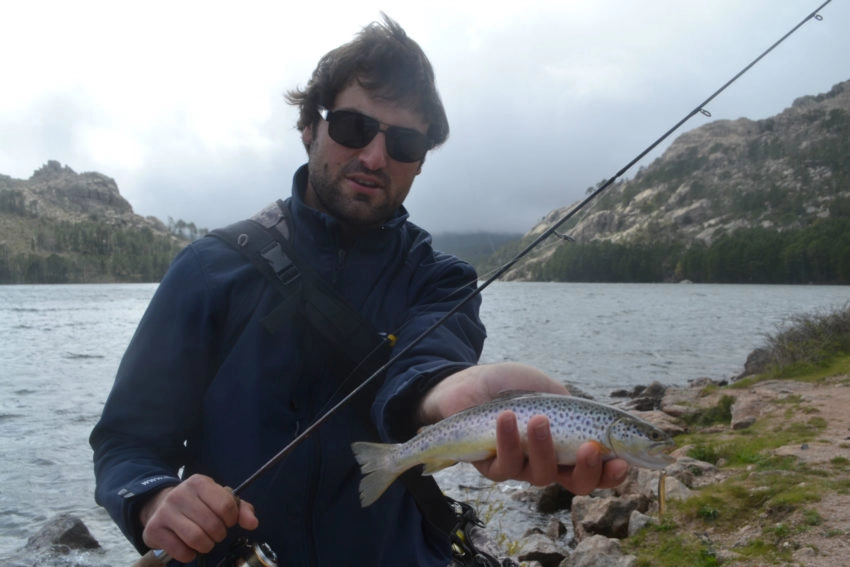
x=661, y=451
x=657, y=456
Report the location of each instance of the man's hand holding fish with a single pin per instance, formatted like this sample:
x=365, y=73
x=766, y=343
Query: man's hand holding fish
x=537, y=463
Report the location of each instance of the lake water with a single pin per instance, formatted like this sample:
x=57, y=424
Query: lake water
x=60, y=347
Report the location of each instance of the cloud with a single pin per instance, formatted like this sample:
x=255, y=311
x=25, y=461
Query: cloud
x=182, y=102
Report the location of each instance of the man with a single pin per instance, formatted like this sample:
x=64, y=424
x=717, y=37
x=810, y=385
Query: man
x=206, y=388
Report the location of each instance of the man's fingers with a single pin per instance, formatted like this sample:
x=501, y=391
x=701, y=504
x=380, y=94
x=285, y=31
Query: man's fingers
x=542, y=461
x=167, y=538
x=510, y=457
x=614, y=473
x=588, y=469
x=540, y=466
x=196, y=535
x=194, y=516
x=247, y=518
x=591, y=472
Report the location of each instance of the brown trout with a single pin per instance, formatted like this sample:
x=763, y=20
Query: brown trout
x=470, y=436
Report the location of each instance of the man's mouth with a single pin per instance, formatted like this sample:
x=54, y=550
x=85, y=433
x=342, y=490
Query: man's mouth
x=366, y=182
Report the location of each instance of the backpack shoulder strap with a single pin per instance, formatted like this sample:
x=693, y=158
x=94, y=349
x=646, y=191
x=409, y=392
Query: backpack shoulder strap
x=264, y=239
x=258, y=246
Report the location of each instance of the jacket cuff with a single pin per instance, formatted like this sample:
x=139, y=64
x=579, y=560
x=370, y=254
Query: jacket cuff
x=135, y=495
x=396, y=414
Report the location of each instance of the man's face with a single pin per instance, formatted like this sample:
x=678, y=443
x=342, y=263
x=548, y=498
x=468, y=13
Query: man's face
x=360, y=187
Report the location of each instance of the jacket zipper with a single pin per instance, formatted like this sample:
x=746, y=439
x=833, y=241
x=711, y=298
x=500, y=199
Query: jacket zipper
x=341, y=256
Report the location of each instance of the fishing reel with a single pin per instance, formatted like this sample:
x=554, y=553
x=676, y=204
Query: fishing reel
x=243, y=553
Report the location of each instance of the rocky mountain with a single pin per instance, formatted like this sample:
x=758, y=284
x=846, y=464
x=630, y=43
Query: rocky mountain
x=61, y=226
x=58, y=193
x=780, y=174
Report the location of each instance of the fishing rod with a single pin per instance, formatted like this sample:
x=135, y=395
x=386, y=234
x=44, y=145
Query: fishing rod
x=700, y=109
x=159, y=557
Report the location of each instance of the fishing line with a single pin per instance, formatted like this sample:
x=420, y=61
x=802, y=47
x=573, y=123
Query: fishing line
x=162, y=557
x=496, y=274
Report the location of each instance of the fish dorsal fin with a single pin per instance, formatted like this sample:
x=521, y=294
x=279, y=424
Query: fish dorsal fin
x=425, y=428
x=511, y=394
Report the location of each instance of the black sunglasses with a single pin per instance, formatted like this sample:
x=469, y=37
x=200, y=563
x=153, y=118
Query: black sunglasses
x=355, y=130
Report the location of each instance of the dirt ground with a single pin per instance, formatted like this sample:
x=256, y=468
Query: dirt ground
x=821, y=547
x=827, y=544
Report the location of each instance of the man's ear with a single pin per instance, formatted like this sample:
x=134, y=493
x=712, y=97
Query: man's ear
x=307, y=137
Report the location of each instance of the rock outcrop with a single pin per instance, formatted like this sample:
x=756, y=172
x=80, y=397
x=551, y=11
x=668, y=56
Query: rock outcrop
x=63, y=541
x=59, y=193
x=780, y=172
x=60, y=226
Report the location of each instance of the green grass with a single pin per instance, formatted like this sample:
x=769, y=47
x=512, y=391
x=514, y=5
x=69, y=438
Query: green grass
x=662, y=545
x=752, y=446
x=811, y=348
x=719, y=413
x=776, y=500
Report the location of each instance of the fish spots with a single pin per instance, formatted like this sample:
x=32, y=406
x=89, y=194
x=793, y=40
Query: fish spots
x=470, y=436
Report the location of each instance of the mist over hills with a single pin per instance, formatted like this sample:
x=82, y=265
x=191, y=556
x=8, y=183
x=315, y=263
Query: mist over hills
x=779, y=186
x=733, y=200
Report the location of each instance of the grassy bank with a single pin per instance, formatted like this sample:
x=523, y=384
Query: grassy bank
x=781, y=480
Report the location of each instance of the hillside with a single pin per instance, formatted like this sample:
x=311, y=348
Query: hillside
x=776, y=176
x=60, y=226
x=473, y=247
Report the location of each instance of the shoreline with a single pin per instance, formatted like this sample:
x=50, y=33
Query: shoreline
x=811, y=533
x=762, y=477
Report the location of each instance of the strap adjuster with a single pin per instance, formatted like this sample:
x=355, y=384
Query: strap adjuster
x=280, y=264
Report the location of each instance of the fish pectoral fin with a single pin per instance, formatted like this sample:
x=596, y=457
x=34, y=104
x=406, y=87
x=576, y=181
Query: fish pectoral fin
x=602, y=448
x=433, y=466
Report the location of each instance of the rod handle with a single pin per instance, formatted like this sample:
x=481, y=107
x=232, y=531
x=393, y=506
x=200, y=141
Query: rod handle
x=153, y=558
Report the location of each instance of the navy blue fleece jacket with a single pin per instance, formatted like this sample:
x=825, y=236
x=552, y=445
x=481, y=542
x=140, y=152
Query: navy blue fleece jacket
x=205, y=388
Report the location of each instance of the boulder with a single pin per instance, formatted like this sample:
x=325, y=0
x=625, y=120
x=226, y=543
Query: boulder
x=663, y=421
x=555, y=529
x=553, y=498
x=745, y=411
x=63, y=541
x=599, y=551
x=692, y=472
x=650, y=398
x=539, y=548
x=680, y=401
x=757, y=362
x=605, y=516
x=674, y=489
x=638, y=521
x=62, y=534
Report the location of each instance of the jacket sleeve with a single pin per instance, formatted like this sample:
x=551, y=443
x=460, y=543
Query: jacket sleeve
x=140, y=441
x=452, y=346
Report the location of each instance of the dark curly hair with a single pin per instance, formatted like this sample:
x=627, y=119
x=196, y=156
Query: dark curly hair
x=386, y=62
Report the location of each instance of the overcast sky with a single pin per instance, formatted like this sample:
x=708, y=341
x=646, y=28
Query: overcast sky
x=182, y=102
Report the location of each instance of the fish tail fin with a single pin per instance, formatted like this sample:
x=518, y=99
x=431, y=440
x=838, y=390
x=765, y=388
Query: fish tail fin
x=378, y=467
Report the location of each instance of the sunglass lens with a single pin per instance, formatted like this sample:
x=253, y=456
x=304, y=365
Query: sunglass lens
x=352, y=129
x=406, y=145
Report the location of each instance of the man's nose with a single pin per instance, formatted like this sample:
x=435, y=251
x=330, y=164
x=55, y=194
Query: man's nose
x=374, y=154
